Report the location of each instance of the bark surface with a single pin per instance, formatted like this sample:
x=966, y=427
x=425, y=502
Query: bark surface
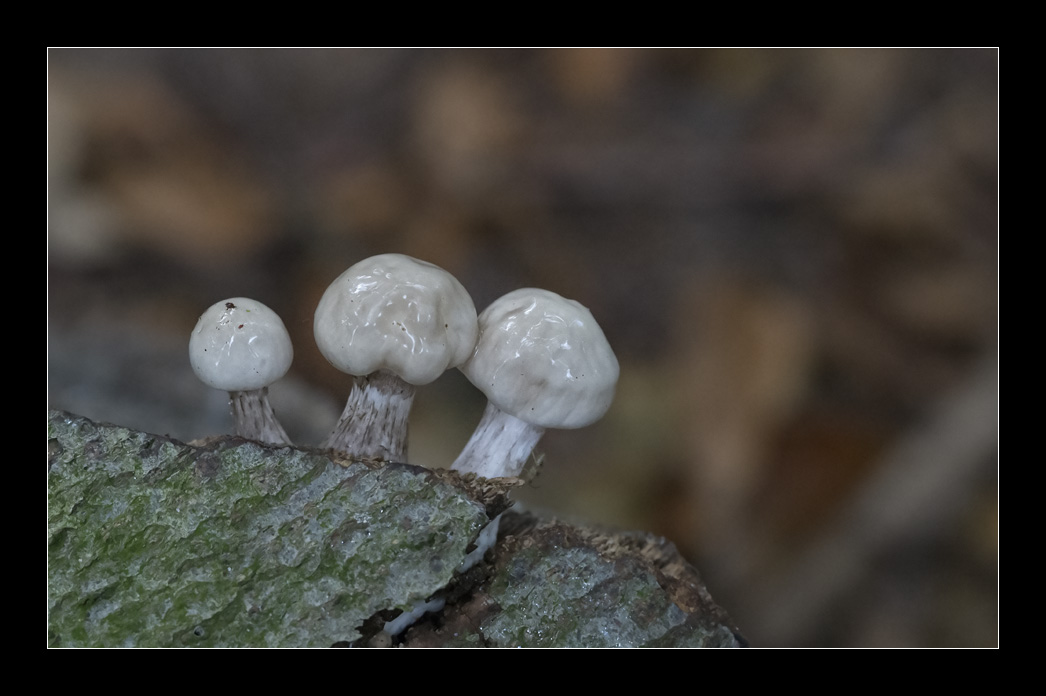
x=153, y=542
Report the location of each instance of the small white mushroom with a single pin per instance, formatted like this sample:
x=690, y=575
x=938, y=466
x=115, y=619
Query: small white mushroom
x=395, y=323
x=543, y=362
x=241, y=346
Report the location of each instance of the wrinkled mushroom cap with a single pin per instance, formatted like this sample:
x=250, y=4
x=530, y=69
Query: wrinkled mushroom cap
x=239, y=344
x=396, y=313
x=543, y=359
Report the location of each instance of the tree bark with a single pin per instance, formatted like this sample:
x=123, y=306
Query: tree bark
x=153, y=542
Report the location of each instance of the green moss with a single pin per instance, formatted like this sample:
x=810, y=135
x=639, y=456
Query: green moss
x=154, y=543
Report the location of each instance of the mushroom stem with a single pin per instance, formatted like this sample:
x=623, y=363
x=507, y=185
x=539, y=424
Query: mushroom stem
x=254, y=418
x=374, y=422
x=500, y=445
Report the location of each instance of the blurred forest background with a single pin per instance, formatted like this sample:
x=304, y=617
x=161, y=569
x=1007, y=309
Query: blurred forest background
x=793, y=252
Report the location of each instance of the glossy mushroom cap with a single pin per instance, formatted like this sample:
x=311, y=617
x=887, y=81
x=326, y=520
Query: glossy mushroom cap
x=393, y=312
x=239, y=344
x=543, y=359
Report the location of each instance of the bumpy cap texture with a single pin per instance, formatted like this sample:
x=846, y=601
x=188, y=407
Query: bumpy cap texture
x=543, y=359
x=396, y=313
x=239, y=344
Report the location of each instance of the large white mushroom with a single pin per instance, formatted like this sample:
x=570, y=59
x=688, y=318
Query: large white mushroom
x=543, y=362
x=395, y=323
x=241, y=346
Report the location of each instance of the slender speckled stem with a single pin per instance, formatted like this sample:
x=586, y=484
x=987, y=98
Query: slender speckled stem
x=499, y=447
x=374, y=422
x=254, y=418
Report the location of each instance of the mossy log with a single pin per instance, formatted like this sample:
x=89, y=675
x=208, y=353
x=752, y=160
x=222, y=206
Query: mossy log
x=153, y=542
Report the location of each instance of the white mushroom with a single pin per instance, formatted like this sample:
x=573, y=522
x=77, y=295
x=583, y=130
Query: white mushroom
x=395, y=323
x=543, y=362
x=241, y=346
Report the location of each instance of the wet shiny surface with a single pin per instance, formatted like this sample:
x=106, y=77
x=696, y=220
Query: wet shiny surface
x=239, y=344
x=397, y=313
x=544, y=359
